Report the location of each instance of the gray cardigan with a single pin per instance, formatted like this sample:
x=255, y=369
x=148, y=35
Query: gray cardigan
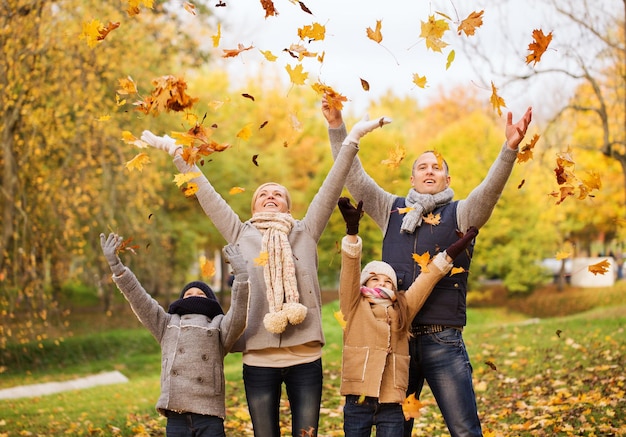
x=193, y=348
x=303, y=237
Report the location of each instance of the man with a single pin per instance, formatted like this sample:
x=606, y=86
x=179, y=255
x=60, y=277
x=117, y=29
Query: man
x=438, y=353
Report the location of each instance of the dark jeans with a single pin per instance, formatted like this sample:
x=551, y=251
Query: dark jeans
x=304, y=390
x=360, y=417
x=194, y=425
x=441, y=359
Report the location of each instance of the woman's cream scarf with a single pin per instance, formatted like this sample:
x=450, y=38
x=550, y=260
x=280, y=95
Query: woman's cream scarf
x=279, y=271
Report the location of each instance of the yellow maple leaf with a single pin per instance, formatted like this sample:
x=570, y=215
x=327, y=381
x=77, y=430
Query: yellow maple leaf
x=600, y=268
x=418, y=80
x=375, y=35
x=538, y=46
x=456, y=270
x=207, y=268
x=405, y=210
x=190, y=189
x=411, y=407
x=339, y=317
x=133, y=6
x=496, y=101
x=268, y=55
x=183, y=178
x=432, y=31
x=296, y=75
x=236, y=190
x=395, y=157
x=469, y=25
x=91, y=32
x=126, y=86
x=216, y=38
x=422, y=260
x=592, y=181
x=334, y=99
x=262, y=259
x=313, y=31
x=138, y=162
x=432, y=219
x=129, y=138
x=246, y=132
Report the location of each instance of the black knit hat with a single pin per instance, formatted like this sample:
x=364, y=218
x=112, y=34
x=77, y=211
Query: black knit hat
x=202, y=286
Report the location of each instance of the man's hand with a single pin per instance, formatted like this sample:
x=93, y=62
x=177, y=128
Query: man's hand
x=515, y=132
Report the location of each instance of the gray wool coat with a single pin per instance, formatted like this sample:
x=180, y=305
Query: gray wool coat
x=193, y=348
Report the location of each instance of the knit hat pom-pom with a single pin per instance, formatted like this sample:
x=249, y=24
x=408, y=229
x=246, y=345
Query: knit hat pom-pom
x=296, y=312
x=275, y=322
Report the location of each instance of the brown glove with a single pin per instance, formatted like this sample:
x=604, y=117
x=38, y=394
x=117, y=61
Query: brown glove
x=461, y=244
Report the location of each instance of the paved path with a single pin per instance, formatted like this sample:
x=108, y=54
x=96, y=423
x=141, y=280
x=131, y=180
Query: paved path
x=29, y=391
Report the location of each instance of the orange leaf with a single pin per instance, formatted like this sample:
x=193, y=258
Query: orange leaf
x=268, y=6
x=469, y=25
x=538, y=46
x=127, y=86
x=496, y=101
x=405, y=210
x=335, y=100
x=432, y=219
x=422, y=260
x=314, y=31
x=191, y=8
x=526, y=152
x=236, y=190
x=231, y=53
x=395, y=157
x=207, y=268
x=375, y=35
x=190, y=189
x=411, y=407
x=168, y=95
x=600, y=268
x=456, y=270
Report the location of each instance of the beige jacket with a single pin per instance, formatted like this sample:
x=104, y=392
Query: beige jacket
x=375, y=354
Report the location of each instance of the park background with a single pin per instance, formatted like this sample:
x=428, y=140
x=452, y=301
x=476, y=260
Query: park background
x=65, y=179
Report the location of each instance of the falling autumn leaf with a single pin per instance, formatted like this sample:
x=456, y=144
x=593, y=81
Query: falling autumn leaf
x=432, y=31
x=395, y=157
x=218, y=36
x=127, y=86
x=411, y=407
x=268, y=55
x=418, y=80
x=432, y=219
x=375, y=35
x=315, y=31
x=183, y=178
x=129, y=138
x=190, y=189
x=94, y=31
x=525, y=152
x=231, y=53
x=496, y=101
x=296, y=75
x=262, y=259
x=207, y=268
x=191, y=8
x=339, y=317
x=268, y=6
x=457, y=270
x=126, y=246
x=334, y=99
x=246, y=132
x=469, y=25
x=365, y=85
x=600, y=268
x=490, y=364
x=538, y=46
x=138, y=162
x=254, y=160
x=422, y=260
x=450, y=58
x=405, y=210
x=248, y=96
x=236, y=190
x=133, y=6
x=169, y=94
x=563, y=254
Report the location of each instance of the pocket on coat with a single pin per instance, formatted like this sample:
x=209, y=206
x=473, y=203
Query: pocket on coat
x=354, y=363
x=401, y=371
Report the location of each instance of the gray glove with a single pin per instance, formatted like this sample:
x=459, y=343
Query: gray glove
x=364, y=126
x=164, y=143
x=236, y=261
x=110, y=245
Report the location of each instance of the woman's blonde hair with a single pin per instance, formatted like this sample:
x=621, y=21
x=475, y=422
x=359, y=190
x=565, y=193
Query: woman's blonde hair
x=260, y=187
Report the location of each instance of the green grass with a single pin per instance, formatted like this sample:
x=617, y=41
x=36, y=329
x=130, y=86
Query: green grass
x=533, y=377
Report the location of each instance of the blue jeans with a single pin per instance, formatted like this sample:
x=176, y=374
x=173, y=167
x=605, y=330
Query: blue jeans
x=304, y=390
x=360, y=417
x=441, y=359
x=194, y=425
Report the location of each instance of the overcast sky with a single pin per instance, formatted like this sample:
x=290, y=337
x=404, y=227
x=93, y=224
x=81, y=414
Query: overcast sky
x=351, y=56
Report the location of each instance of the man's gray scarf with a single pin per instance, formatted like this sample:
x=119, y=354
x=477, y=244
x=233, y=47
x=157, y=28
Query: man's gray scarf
x=422, y=204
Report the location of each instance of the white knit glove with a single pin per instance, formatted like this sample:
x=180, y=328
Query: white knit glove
x=164, y=143
x=110, y=245
x=364, y=126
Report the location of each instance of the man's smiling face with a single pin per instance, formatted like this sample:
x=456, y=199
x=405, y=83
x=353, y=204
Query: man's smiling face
x=429, y=175
x=271, y=198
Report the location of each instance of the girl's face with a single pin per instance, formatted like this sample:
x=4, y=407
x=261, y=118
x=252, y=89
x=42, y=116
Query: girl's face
x=271, y=198
x=379, y=280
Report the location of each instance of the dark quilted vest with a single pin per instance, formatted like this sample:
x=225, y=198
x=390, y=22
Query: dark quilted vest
x=447, y=303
